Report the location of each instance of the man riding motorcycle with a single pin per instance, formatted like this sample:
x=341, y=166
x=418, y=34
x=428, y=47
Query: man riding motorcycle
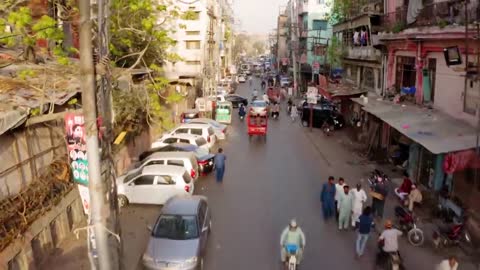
x=254, y=94
x=241, y=111
x=292, y=235
x=388, y=243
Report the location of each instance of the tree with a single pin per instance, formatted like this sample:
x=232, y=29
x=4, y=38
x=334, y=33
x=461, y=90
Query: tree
x=335, y=52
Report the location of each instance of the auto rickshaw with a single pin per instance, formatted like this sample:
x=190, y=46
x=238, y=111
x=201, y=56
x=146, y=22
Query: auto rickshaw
x=257, y=125
x=223, y=112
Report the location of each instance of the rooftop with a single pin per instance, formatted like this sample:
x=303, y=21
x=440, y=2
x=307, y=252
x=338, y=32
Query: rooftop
x=182, y=205
x=29, y=90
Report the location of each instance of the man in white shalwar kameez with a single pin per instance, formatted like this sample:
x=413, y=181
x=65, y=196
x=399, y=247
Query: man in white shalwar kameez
x=359, y=198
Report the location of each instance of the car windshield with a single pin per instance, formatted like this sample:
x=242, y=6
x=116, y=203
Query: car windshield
x=259, y=104
x=176, y=227
x=131, y=176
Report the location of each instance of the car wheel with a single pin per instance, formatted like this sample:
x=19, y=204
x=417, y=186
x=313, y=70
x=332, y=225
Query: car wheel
x=122, y=201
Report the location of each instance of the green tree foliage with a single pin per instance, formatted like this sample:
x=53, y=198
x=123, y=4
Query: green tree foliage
x=140, y=38
x=20, y=30
x=335, y=52
x=340, y=11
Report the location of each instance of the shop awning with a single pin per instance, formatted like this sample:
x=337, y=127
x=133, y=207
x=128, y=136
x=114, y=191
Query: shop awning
x=437, y=132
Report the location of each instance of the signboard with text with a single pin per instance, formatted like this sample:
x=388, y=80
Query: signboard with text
x=76, y=147
x=316, y=67
x=312, y=93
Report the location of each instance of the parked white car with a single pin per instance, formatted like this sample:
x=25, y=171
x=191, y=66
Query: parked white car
x=204, y=130
x=182, y=138
x=154, y=184
x=186, y=160
x=219, y=128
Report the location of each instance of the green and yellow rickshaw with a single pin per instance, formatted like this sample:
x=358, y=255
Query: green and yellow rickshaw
x=223, y=112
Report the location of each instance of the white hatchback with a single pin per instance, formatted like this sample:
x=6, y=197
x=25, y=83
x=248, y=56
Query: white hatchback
x=196, y=140
x=186, y=160
x=200, y=129
x=154, y=184
x=219, y=128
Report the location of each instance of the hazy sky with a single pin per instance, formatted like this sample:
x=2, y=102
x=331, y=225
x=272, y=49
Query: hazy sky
x=258, y=16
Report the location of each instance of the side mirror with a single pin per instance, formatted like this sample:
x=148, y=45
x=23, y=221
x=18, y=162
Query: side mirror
x=149, y=228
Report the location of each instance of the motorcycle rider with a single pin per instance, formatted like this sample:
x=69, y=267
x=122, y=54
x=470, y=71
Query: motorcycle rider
x=265, y=97
x=255, y=94
x=388, y=242
x=241, y=111
x=276, y=109
x=292, y=235
x=289, y=105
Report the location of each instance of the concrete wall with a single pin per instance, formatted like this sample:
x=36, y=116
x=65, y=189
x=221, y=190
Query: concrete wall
x=29, y=251
x=26, y=151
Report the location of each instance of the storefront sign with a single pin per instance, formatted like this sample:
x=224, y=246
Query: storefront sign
x=85, y=196
x=76, y=147
x=312, y=93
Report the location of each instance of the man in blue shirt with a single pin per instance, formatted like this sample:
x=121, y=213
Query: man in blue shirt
x=220, y=165
x=327, y=196
x=364, y=227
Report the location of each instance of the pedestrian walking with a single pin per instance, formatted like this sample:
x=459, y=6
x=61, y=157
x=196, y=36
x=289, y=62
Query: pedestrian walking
x=379, y=194
x=339, y=190
x=449, y=264
x=364, y=227
x=327, y=196
x=219, y=165
x=345, y=204
x=359, y=198
x=293, y=113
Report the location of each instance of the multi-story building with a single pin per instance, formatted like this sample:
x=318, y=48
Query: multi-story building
x=282, y=42
x=311, y=30
x=417, y=63
x=200, y=42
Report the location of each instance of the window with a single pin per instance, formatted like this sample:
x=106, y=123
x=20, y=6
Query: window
x=193, y=63
x=176, y=163
x=201, y=141
x=405, y=73
x=181, y=131
x=184, y=141
x=176, y=227
x=319, y=25
x=155, y=162
x=192, y=33
x=170, y=140
x=192, y=44
x=202, y=211
x=197, y=131
x=432, y=71
x=368, y=78
x=144, y=180
x=165, y=180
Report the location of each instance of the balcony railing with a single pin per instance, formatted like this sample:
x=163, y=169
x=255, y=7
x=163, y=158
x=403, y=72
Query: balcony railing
x=438, y=14
x=363, y=53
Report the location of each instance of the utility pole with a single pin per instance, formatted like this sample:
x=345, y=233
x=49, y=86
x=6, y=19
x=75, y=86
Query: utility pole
x=97, y=195
x=293, y=42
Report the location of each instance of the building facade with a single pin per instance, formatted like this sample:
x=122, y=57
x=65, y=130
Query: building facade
x=417, y=63
x=203, y=43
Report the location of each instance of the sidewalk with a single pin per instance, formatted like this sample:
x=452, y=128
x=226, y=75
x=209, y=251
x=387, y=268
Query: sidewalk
x=347, y=163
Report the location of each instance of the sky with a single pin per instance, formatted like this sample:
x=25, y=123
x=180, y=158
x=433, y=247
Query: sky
x=258, y=16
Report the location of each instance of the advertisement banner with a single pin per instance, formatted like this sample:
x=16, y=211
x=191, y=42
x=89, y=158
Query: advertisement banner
x=85, y=196
x=316, y=67
x=76, y=147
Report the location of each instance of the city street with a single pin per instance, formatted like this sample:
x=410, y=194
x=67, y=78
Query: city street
x=268, y=183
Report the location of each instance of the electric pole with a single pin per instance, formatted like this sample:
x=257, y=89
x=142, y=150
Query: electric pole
x=293, y=42
x=97, y=195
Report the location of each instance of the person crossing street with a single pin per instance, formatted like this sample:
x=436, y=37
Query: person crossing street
x=345, y=203
x=219, y=160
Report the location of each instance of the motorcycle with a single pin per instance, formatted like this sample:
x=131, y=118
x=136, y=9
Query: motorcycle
x=327, y=129
x=391, y=261
x=374, y=175
x=291, y=263
x=445, y=236
x=241, y=114
x=275, y=115
x=408, y=224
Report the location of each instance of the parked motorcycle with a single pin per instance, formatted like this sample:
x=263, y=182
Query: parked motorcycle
x=374, y=175
x=407, y=223
x=445, y=236
x=391, y=261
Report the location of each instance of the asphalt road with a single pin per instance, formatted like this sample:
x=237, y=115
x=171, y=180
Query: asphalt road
x=266, y=184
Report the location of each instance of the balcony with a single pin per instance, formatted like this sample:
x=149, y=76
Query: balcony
x=363, y=53
x=362, y=7
x=438, y=14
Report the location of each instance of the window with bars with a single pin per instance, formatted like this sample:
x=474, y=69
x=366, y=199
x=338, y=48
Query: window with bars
x=192, y=44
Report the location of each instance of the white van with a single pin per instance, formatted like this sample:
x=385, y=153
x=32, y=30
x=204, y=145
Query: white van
x=204, y=130
x=182, y=159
